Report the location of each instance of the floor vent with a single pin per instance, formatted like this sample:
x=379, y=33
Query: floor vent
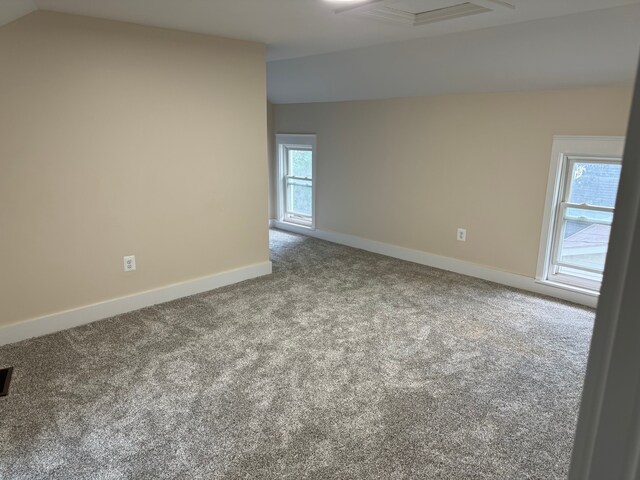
x=5, y=379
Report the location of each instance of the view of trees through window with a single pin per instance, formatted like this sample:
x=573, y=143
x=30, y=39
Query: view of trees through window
x=300, y=191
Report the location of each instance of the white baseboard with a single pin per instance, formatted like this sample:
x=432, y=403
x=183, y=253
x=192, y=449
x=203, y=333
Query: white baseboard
x=99, y=311
x=445, y=263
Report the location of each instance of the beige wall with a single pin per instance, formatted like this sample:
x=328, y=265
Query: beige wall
x=118, y=139
x=410, y=171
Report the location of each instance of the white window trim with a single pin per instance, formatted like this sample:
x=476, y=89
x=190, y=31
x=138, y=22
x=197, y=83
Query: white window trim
x=563, y=147
x=294, y=140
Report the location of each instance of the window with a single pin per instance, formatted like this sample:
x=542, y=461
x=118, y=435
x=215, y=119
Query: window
x=296, y=189
x=583, y=185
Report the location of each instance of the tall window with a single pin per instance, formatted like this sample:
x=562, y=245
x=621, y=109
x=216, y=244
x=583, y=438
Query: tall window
x=583, y=187
x=296, y=161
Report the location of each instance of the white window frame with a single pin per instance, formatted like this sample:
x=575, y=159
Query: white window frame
x=295, y=141
x=565, y=151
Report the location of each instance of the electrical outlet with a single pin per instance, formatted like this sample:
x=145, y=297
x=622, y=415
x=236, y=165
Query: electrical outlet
x=462, y=235
x=130, y=263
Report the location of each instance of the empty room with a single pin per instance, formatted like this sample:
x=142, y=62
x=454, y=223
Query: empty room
x=342, y=239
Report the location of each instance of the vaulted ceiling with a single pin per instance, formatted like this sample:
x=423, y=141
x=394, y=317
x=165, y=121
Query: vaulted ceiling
x=356, y=49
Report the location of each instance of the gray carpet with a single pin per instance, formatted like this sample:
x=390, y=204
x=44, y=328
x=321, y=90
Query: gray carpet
x=342, y=364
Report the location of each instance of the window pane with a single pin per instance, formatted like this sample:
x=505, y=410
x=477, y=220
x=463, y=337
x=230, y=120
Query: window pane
x=585, y=238
x=299, y=197
x=594, y=183
x=300, y=163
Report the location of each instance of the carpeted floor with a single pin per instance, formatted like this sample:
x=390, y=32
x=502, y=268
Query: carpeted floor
x=342, y=364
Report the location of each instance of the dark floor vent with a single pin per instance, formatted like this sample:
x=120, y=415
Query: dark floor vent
x=5, y=379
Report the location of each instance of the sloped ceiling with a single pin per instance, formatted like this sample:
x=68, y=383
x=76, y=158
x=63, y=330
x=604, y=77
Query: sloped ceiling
x=297, y=28
x=11, y=10
x=317, y=55
x=594, y=48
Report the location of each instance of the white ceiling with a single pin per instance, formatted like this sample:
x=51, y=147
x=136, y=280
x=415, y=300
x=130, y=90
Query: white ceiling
x=296, y=28
x=593, y=48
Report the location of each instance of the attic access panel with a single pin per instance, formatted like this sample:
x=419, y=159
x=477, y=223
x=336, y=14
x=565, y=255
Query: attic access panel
x=422, y=12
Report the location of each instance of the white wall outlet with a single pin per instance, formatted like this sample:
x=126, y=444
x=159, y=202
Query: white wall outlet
x=462, y=235
x=130, y=263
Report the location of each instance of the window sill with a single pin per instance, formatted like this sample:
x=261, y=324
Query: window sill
x=571, y=288
x=301, y=225
x=292, y=226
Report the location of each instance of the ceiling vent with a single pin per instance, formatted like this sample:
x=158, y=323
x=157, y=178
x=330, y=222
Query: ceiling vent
x=422, y=12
